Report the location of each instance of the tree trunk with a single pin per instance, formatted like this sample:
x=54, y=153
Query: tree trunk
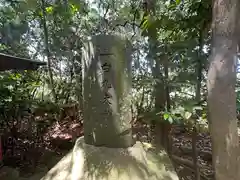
x=199, y=68
x=47, y=50
x=161, y=128
x=79, y=81
x=167, y=127
x=221, y=91
x=158, y=127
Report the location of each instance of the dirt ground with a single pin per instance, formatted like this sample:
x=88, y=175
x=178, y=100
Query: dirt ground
x=40, y=160
x=28, y=160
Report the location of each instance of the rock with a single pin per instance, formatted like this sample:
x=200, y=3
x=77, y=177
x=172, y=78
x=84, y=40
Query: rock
x=139, y=162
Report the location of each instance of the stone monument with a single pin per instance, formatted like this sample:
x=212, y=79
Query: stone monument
x=107, y=92
x=107, y=150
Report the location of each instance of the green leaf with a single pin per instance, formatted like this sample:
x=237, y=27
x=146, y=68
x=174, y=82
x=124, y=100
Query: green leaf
x=178, y=2
x=166, y=116
x=74, y=8
x=144, y=24
x=40, y=14
x=49, y=9
x=17, y=75
x=204, y=115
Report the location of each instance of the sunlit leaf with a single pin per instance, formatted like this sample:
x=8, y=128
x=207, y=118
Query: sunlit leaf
x=17, y=75
x=187, y=115
x=74, y=8
x=49, y=10
x=166, y=116
x=178, y=2
x=144, y=24
x=204, y=115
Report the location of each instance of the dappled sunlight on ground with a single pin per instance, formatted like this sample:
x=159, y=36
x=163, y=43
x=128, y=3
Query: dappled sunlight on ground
x=65, y=130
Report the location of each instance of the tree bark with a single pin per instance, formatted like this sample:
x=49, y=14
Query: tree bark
x=199, y=68
x=167, y=125
x=47, y=50
x=221, y=91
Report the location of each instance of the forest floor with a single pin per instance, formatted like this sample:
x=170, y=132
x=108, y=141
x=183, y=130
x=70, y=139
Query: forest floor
x=183, y=155
x=35, y=161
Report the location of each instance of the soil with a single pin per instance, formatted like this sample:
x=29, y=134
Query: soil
x=33, y=161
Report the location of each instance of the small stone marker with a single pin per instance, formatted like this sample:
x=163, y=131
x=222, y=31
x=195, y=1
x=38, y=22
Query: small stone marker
x=106, y=91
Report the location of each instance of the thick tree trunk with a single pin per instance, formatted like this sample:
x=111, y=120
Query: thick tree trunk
x=221, y=91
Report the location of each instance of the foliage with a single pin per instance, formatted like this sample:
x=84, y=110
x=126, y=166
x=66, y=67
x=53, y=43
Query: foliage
x=170, y=39
x=177, y=28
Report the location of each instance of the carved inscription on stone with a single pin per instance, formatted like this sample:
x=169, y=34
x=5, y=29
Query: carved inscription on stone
x=106, y=85
x=106, y=92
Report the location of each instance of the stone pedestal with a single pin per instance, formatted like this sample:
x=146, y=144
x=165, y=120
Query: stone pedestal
x=106, y=88
x=138, y=162
x=88, y=162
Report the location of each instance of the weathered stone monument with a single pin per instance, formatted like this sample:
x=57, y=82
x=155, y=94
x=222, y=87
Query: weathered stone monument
x=106, y=92
x=107, y=150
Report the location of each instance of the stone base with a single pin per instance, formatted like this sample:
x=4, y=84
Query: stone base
x=87, y=162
